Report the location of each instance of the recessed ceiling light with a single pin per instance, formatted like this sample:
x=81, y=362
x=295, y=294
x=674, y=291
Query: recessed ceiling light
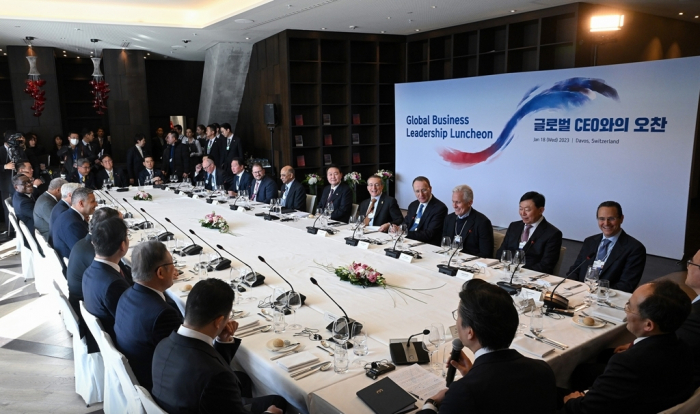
x=417, y=30
x=697, y=17
x=247, y=38
x=323, y=28
x=78, y=57
x=144, y=57
x=4, y=54
x=91, y=53
x=388, y=18
x=383, y=31
x=513, y=11
x=243, y=21
x=148, y=54
x=680, y=14
x=433, y=7
x=410, y=21
x=64, y=51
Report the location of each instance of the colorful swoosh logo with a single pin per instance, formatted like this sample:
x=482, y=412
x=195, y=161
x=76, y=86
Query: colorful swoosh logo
x=567, y=94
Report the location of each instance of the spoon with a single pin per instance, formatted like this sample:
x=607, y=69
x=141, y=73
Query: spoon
x=266, y=328
x=324, y=367
x=326, y=344
x=325, y=350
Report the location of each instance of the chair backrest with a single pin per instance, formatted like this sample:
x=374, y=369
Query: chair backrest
x=557, y=266
x=15, y=225
x=8, y=203
x=29, y=237
x=353, y=211
x=52, y=264
x=497, y=241
x=689, y=406
x=310, y=201
x=93, y=324
x=148, y=402
x=117, y=362
x=69, y=317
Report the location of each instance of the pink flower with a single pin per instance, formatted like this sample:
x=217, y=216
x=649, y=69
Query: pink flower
x=372, y=277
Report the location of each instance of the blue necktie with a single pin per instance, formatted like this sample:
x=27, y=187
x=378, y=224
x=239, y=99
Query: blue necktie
x=418, y=216
x=603, y=250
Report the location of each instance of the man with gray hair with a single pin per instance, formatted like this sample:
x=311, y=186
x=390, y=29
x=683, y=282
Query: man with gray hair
x=145, y=315
x=63, y=205
x=44, y=206
x=72, y=224
x=82, y=174
x=470, y=228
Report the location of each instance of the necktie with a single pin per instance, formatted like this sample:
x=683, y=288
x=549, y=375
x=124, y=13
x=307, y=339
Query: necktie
x=526, y=233
x=285, y=189
x=111, y=177
x=255, y=192
x=370, y=210
x=211, y=141
x=330, y=197
x=235, y=181
x=418, y=216
x=228, y=144
x=208, y=178
x=83, y=179
x=603, y=250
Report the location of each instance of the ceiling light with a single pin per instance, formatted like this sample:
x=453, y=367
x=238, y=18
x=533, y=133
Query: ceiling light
x=388, y=18
x=680, y=14
x=417, y=30
x=4, y=54
x=353, y=27
x=383, y=31
x=64, y=51
x=91, y=53
x=148, y=54
x=607, y=23
x=243, y=21
x=144, y=57
x=697, y=17
x=78, y=57
x=433, y=7
x=247, y=38
x=323, y=28
x=513, y=11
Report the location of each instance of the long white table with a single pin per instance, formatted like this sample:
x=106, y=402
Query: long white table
x=385, y=313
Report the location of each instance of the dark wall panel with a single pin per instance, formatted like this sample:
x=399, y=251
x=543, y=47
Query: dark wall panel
x=174, y=88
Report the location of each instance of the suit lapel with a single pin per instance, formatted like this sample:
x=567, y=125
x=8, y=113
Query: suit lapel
x=425, y=212
x=615, y=252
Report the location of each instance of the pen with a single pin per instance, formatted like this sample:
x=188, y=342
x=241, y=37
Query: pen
x=415, y=396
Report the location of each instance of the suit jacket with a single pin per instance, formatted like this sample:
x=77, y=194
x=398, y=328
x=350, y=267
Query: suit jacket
x=190, y=376
x=68, y=229
x=267, y=190
x=386, y=210
x=102, y=288
x=143, y=319
x=341, y=199
x=218, y=175
x=530, y=386
x=89, y=151
x=144, y=174
x=230, y=181
x=689, y=333
x=74, y=177
x=181, y=160
x=234, y=150
x=120, y=180
x=42, y=214
x=476, y=232
x=105, y=148
x=214, y=153
x=157, y=148
x=134, y=162
x=543, y=248
x=429, y=229
x=296, y=196
x=649, y=377
x=624, y=265
x=24, y=210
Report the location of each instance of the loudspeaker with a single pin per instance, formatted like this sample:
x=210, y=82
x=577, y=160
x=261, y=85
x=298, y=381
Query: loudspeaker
x=270, y=114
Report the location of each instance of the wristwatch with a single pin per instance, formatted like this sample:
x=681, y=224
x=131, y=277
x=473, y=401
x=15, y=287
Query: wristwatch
x=433, y=402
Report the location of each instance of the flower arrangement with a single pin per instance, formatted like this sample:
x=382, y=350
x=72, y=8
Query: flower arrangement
x=143, y=196
x=313, y=181
x=353, y=179
x=386, y=176
x=360, y=274
x=214, y=221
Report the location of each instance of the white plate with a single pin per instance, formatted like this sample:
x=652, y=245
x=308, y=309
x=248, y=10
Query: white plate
x=280, y=349
x=578, y=320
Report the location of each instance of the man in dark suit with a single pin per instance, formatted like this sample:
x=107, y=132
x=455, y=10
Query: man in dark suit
x=22, y=201
x=192, y=376
x=103, y=282
x=72, y=224
x=145, y=315
x=231, y=146
x=63, y=205
x=176, y=157
x=135, y=158
x=293, y=192
x=380, y=209
x=87, y=148
x=540, y=240
x=44, y=206
x=158, y=144
x=237, y=178
x=6, y=157
x=82, y=174
x=655, y=372
x=689, y=332
x=471, y=228
x=102, y=143
x=486, y=324
x=209, y=174
x=262, y=189
x=619, y=257
x=148, y=173
x=110, y=173
x=338, y=193
x=426, y=215
x=26, y=168
x=212, y=148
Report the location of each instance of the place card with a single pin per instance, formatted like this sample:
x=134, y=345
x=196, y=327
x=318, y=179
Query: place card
x=322, y=233
x=531, y=294
x=363, y=245
x=464, y=275
x=406, y=258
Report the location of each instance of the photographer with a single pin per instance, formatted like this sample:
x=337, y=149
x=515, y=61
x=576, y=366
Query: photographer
x=10, y=153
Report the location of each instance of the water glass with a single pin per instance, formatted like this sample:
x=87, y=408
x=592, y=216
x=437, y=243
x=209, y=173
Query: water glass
x=446, y=355
x=445, y=245
x=278, y=323
x=506, y=260
x=603, y=292
x=360, y=344
x=592, y=281
x=536, y=321
x=341, y=362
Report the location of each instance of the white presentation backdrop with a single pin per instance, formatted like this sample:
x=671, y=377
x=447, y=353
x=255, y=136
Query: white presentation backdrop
x=578, y=136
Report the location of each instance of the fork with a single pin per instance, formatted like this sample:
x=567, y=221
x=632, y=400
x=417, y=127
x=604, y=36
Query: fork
x=573, y=287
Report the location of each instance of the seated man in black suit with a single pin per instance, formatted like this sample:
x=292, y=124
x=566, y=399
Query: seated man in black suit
x=135, y=157
x=237, y=178
x=293, y=192
x=149, y=174
x=109, y=173
x=426, y=215
x=22, y=201
x=540, y=240
x=262, y=188
x=103, y=281
x=27, y=169
x=689, y=332
x=470, y=227
x=380, y=209
x=500, y=380
x=338, y=193
x=145, y=315
x=653, y=374
x=209, y=174
x=176, y=157
x=619, y=256
x=44, y=206
x=82, y=174
x=72, y=224
x=192, y=376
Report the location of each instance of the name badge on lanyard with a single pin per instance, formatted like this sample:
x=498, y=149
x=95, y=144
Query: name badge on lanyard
x=598, y=264
x=458, y=239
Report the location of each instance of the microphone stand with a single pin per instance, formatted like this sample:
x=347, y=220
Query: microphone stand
x=134, y=208
x=190, y=250
x=221, y=263
x=257, y=275
x=127, y=214
x=393, y=253
x=509, y=287
x=352, y=241
x=303, y=298
x=555, y=303
x=166, y=235
x=313, y=229
x=356, y=326
x=448, y=269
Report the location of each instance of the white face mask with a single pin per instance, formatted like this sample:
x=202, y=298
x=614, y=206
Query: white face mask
x=74, y=141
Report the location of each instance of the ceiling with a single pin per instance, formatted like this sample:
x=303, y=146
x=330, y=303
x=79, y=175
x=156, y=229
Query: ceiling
x=161, y=27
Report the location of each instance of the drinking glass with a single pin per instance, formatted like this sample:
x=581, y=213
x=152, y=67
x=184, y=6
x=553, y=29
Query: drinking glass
x=341, y=330
x=294, y=303
x=506, y=260
x=603, y=292
x=429, y=344
x=401, y=234
x=329, y=209
x=245, y=276
x=360, y=348
x=278, y=300
x=456, y=246
x=536, y=321
x=393, y=232
x=234, y=281
x=360, y=226
x=173, y=178
x=518, y=258
x=340, y=359
x=445, y=245
x=278, y=322
x=352, y=221
x=446, y=355
x=437, y=338
x=592, y=281
x=199, y=186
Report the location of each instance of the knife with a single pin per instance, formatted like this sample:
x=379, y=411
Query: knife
x=307, y=368
x=543, y=341
x=306, y=374
x=293, y=351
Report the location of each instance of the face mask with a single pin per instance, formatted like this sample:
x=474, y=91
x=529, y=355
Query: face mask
x=74, y=142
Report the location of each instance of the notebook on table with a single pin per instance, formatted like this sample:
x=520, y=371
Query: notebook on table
x=386, y=397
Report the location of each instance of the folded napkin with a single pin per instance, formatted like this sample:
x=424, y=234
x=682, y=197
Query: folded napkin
x=246, y=323
x=614, y=315
x=532, y=347
x=485, y=262
x=296, y=361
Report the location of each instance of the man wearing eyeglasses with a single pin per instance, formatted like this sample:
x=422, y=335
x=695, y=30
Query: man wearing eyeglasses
x=380, y=209
x=689, y=332
x=619, y=256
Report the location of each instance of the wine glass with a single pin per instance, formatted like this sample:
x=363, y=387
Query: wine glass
x=341, y=331
x=330, y=209
x=437, y=338
x=429, y=344
x=294, y=303
x=456, y=246
x=603, y=292
x=506, y=260
x=278, y=300
x=592, y=281
x=173, y=178
x=393, y=232
x=445, y=245
x=234, y=281
x=352, y=221
x=360, y=225
x=519, y=262
x=244, y=278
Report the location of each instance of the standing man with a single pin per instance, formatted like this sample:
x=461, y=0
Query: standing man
x=338, y=193
x=135, y=158
x=471, y=228
x=380, y=209
x=426, y=215
x=69, y=154
x=45, y=204
x=238, y=178
x=103, y=143
x=109, y=173
x=158, y=144
x=82, y=174
x=7, y=153
x=176, y=157
x=87, y=148
x=262, y=189
x=72, y=224
x=540, y=240
x=201, y=135
x=293, y=193
x=212, y=147
x=230, y=146
x=208, y=173
x=22, y=201
x=619, y=257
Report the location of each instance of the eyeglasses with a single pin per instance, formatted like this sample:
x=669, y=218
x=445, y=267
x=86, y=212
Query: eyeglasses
x=454, y=313
x=627, y=308
x=690, y=263
x=374, y=185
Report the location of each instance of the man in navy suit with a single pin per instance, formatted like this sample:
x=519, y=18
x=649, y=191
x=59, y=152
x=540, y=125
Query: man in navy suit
x=63, y=205
x=261, y=189
x=380, y=209
x=145, y=314
x=155, y=176
x=426, y=215
x=486, y=324
x=293, y=193
x=103, y=281
x=192, y=371
x=135, y=158
x=619, y=257
x=72, y=225
x=539, y=239
x=338, y=193
x=209, y=174
x=470, y=227
x=212, y=148
x=237, y=178
x=108, y=172
x=230, y=146
x=44, y=207
x=82, y=174
x=176, y=157
x=22, y=201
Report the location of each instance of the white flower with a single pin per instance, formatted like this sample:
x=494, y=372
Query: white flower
x=312, y=180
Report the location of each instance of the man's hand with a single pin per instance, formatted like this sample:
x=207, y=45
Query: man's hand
x=10, y=166
x=233, y=194
x=226, y=334
x=464, y=365
x=574, y=394
x=157, y=180
x=439, y=396
x=184, y=175
x=131, y=180
x=198, y=168
x=622, y=348
x=384, y=227
x=274, y=410
x=37, y=182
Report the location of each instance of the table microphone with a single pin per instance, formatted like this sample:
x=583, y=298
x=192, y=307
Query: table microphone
x=425, y=332
x=454, y=356
x=356, y=326
x=303, y=298
x=509, y=286
x=352, y=241
x=222, y=262
x=246, y=264
x=134, y=208
x=447, y=269
x=163, y=237
x=553, y=301
x=235, y=207
x=127, y=215
x=313, y=229
x=393, y=252
x=190, y=250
